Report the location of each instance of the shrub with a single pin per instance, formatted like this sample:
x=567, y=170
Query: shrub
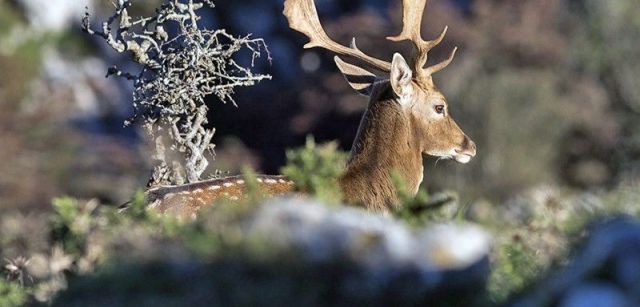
x=316, y=169
x=11, y=294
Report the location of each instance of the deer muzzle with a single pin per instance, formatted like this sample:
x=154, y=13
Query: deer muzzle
x=466, y=152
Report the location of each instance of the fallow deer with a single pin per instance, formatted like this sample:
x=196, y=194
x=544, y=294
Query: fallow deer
x=407, y=117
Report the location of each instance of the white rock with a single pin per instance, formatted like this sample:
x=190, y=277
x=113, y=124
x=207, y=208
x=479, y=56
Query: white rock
x=374, y=241
x=453, y=246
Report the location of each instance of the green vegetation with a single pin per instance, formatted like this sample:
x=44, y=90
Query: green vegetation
x=87, y=238
x=8, y=18
x=12, y=294
x=551, y=101
x=316, y=169
x=423, y=208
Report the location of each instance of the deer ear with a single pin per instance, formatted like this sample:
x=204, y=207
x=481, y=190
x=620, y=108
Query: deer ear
x=401, y=76
x=359, y=78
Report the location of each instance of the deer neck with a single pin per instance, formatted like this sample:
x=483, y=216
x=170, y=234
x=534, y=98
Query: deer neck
x=384, y=144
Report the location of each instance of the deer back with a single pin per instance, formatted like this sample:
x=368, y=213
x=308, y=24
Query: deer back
x=185, y=201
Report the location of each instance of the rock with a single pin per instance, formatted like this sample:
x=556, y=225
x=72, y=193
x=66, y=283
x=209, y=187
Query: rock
x=595, y=295
x=437, y=260
x=310, y=255
x=626, y=270
x=453, y=246
x=372, y=240
x=604, y=272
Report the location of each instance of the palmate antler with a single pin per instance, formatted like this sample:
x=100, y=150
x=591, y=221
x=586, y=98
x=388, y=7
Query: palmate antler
x=412, y=21
x=303, y=17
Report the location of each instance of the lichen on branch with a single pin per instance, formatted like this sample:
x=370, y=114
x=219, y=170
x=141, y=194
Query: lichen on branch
x=182, y=64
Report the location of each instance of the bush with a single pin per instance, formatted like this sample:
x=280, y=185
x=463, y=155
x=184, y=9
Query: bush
x=316, y=170
x=11, y=294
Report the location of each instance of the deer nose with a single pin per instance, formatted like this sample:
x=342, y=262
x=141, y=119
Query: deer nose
x=472, y=148
x=468, y=147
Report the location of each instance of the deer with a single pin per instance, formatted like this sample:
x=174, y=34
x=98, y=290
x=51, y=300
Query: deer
x=407, y=117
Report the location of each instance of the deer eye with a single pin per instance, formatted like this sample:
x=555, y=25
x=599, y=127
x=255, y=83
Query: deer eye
x=439, y=109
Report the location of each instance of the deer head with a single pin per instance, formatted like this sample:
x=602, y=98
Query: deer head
x=407, y=115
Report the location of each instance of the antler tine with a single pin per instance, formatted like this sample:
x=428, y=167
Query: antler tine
x=303, y=17
x=412, y=23
x=440, y=66
x=412, y=11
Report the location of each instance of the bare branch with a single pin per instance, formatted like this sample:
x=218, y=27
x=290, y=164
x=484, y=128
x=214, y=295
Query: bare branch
x=179, y=70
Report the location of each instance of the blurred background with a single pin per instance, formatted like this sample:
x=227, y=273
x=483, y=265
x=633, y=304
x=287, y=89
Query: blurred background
x=548, y=89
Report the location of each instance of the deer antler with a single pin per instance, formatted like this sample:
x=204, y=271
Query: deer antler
x=303, y=17
x=412, y=21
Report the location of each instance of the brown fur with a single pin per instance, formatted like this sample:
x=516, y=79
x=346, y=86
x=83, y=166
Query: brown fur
x=392, y=138
x=382, y=145
x=186, y=200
